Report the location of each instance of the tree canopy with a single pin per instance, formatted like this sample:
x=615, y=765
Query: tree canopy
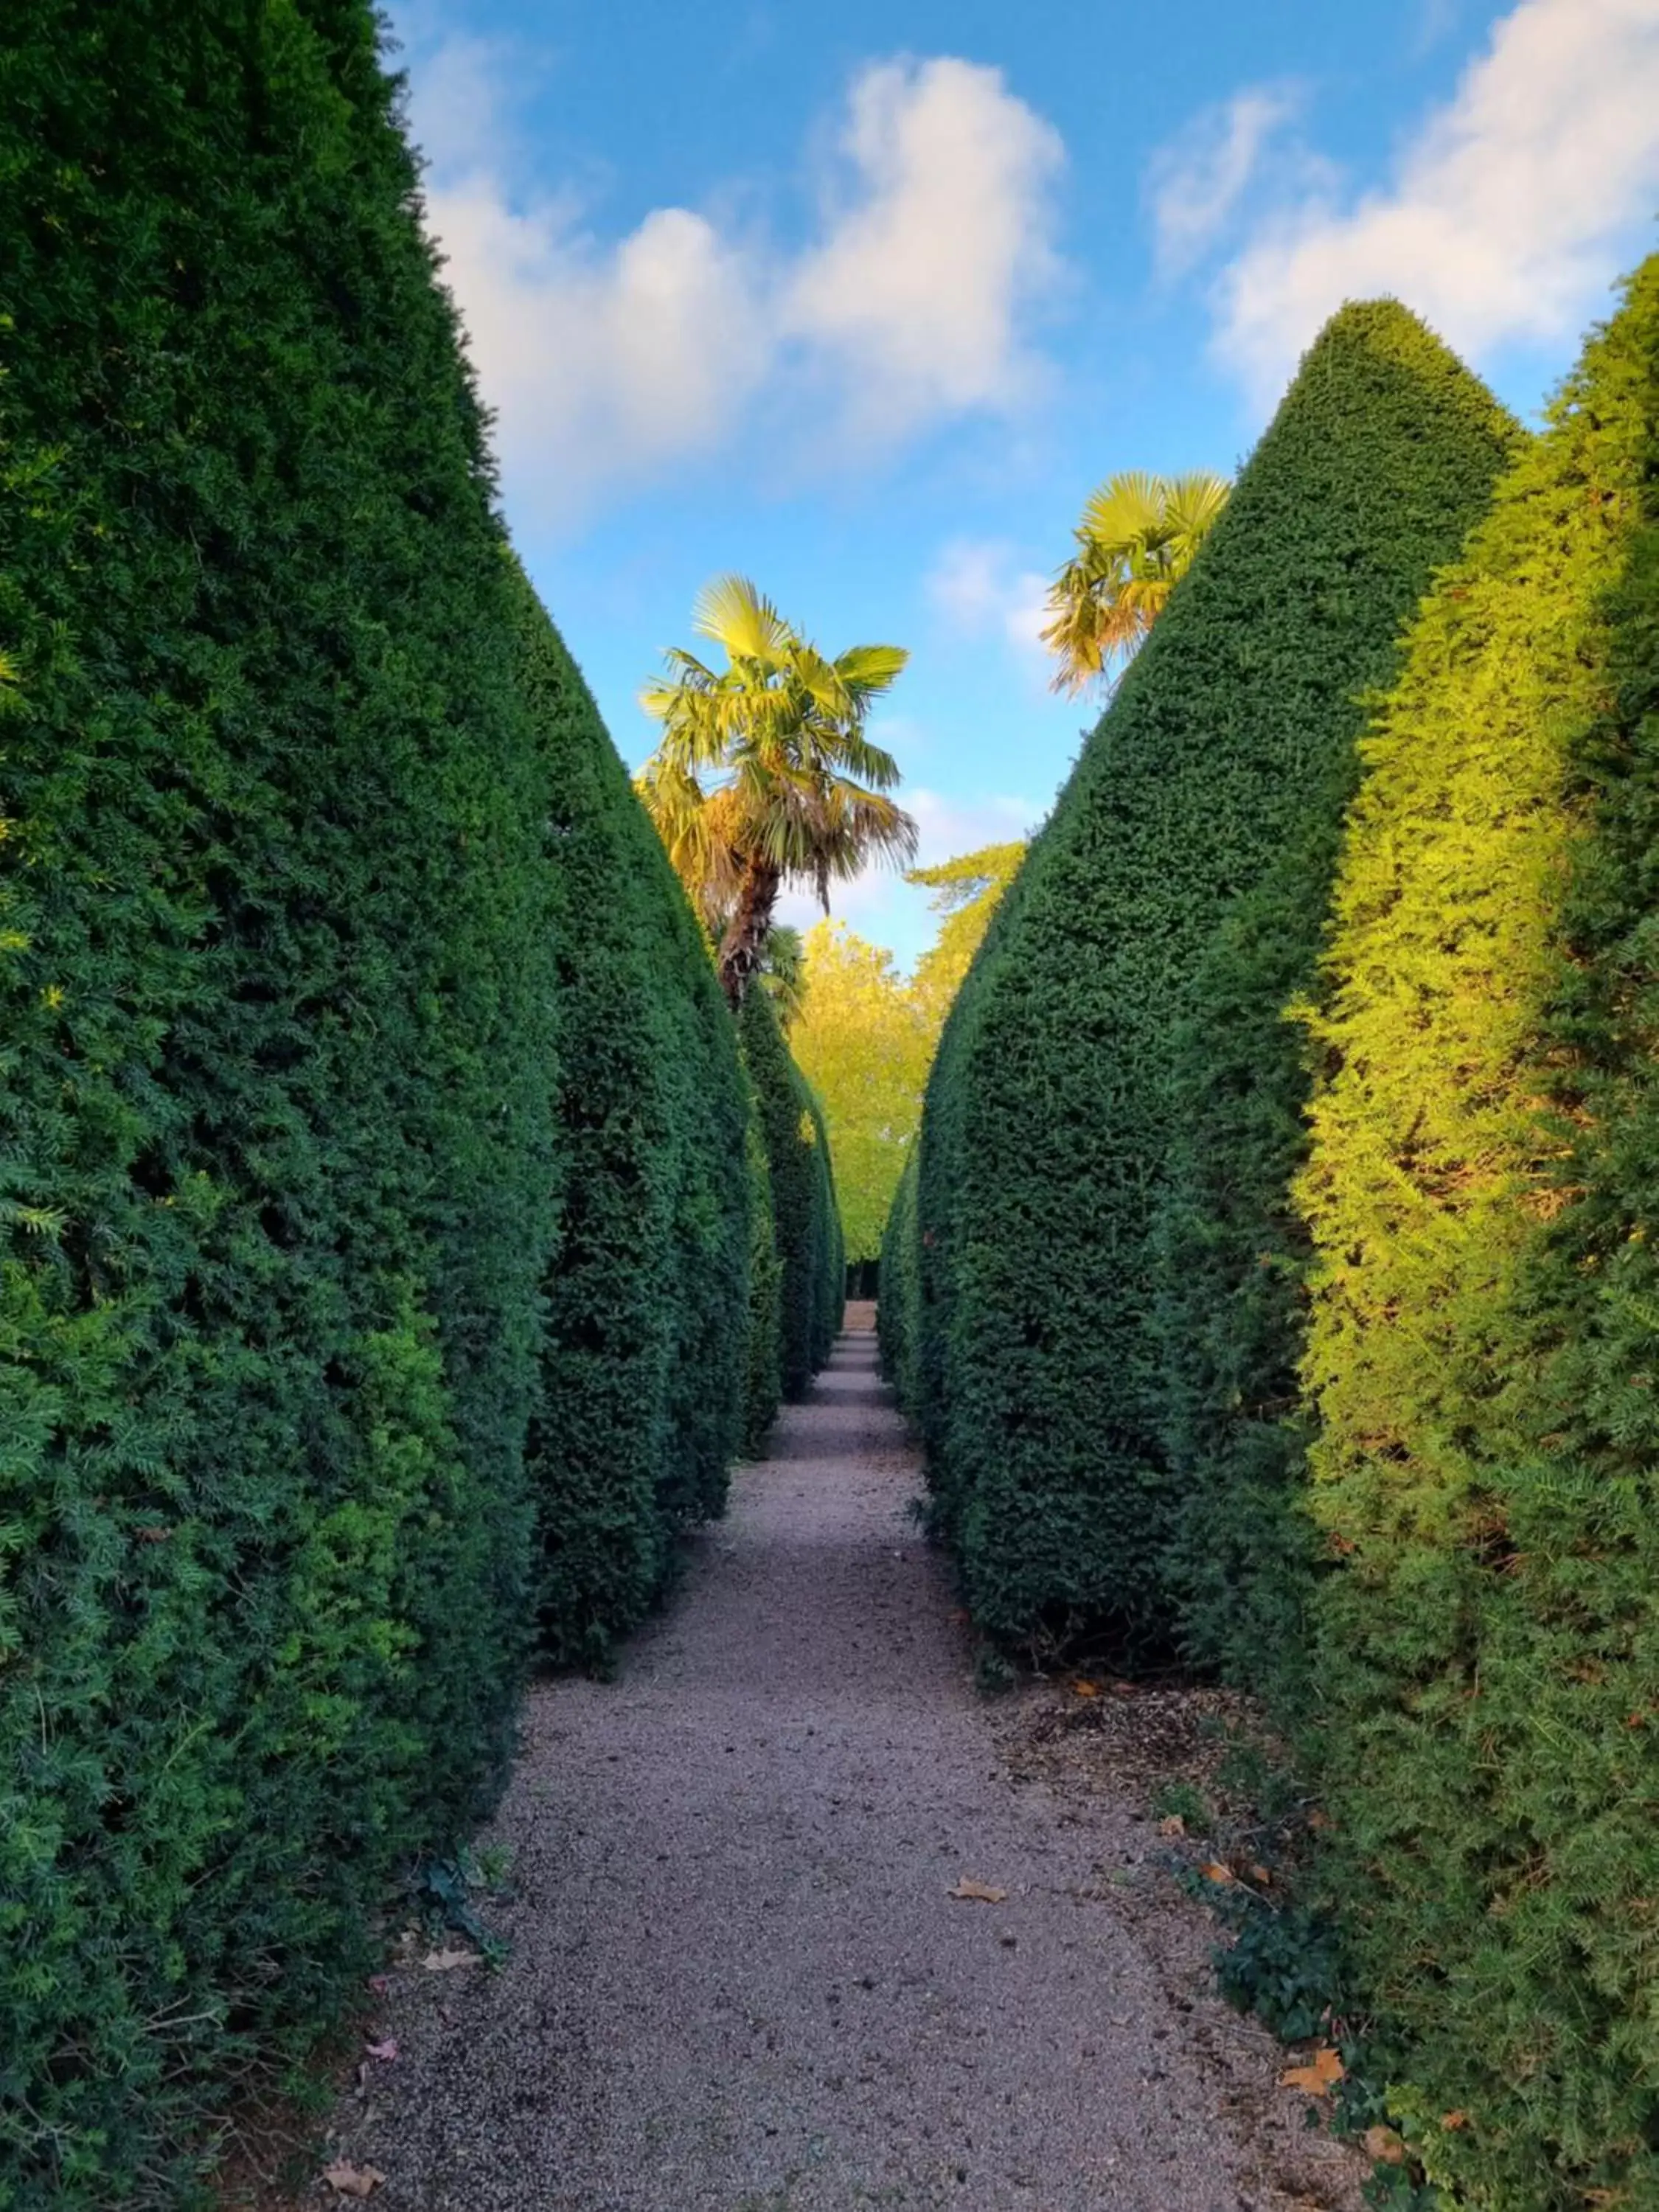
x=863, y=1040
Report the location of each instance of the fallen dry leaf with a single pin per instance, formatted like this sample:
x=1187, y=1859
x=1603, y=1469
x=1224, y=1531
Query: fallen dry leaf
x=386, y=2049
x=1385, y=2146
x=1261, y=1876
x=1457, y=2119
x=1322, y=2071
x=977, y=1892
x=1172, y=1824
x=441, y=1962
x=1086, y=1689
x=353, y=2180
x=1216, y=1872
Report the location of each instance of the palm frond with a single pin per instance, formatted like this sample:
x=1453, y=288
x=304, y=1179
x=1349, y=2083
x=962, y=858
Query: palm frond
x=868, y=670
x=732, y=613
x=1138, y=535
x=1123, y=511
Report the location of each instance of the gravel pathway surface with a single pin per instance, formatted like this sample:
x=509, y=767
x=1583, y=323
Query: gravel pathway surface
x=738, y=1979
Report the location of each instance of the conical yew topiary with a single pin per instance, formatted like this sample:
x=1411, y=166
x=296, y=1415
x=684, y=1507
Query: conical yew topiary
x=644, y=1363
x=1047, y=1151
x=807, y=1226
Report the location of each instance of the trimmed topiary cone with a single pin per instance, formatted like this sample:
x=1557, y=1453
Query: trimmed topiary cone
x=1047, y=1150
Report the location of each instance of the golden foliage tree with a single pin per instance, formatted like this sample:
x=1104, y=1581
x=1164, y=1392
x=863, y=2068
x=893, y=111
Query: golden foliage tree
x=864, y=1035
x=863, y=1041
x=966, y=891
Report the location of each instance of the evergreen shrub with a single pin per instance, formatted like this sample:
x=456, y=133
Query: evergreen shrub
x=279, y=1169
x=940, y=1209
x=1230, y=1256
x=1045, y=1164
x=763, y=1391
x=812, y=1288
x=644, y=1373
x=898, y=1291
x=1482, y=1194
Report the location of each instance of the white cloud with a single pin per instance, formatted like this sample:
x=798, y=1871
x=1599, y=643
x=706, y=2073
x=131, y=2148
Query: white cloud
x=456, y=99
x=918, y=280
x=980, y=591
x=601, y=364
x=1508, y=212
x=1194, y=185
x=609, y=361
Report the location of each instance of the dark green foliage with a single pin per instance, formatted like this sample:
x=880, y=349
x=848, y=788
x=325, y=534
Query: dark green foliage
x=644, y=1369
x=278, y=1168
x=830, y=1262
x=898, y=1294
x=764, y=1388
x=1045, y=1161
x=1483, y=1191
x=805, y=1214
x=1231, y=1255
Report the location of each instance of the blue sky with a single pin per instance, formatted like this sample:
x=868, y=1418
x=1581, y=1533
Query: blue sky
x=861, y=300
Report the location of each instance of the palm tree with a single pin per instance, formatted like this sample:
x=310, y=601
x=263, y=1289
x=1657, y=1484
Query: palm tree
x=1137, y=539
x=764, y=775
x=782, y=973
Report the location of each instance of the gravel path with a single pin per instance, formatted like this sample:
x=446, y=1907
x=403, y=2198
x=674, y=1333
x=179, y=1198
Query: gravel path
x=737, y=1982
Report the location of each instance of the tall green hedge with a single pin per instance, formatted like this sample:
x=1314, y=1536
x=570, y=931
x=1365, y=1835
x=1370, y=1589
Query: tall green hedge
x=1482, y=1196
x=898, y=1291
x=830, y=1276
x=807, y=1220
x=763, y=1390
x=644, y=1373
x=939, y=1224
x=279, y=1169
x=1231, y=1255
x=1051, y=1101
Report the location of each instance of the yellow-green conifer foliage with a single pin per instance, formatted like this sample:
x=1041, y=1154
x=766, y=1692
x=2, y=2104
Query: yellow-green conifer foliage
x=1482, y=1194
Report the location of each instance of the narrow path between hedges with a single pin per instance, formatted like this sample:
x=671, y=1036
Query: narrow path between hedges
x=738, y=1981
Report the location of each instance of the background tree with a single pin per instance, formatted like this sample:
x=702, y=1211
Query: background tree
x=863, y=1041
x=965, y=894
x=1138, y=536
x=764, y=775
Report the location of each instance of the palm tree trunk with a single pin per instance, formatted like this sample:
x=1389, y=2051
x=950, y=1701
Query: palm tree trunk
x=743, y=945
